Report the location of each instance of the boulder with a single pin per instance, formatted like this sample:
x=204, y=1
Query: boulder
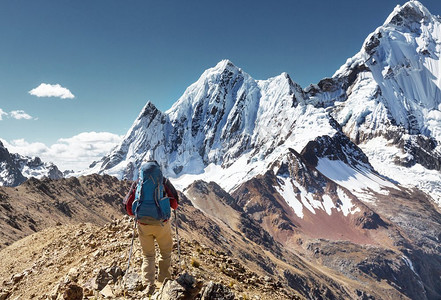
x=17, y=277
x=115, y=272
x=101, y=280
x=68, y=291
x=217, y=291
x=4, y=295
x=185, y=287
x=107, y=292
x=132, y=281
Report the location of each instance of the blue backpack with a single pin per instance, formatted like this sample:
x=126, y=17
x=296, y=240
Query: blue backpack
x=151, y=205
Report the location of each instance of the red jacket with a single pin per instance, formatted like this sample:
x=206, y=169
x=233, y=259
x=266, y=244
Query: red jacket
x=171, y=193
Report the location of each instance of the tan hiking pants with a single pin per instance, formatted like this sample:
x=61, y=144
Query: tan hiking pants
x=147, y=236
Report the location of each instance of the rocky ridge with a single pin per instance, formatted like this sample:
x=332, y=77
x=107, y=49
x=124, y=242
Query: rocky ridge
x=38, y=204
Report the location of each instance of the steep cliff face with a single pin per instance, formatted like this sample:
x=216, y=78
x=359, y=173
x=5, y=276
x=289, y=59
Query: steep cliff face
x=387, y=98
x=392, y=85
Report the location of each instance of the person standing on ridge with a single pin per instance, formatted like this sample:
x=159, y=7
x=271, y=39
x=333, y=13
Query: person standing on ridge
x=154, y=197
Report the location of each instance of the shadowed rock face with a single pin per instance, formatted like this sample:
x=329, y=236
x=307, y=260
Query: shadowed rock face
x=338, y=147
x=410, y=16
x=422, y=150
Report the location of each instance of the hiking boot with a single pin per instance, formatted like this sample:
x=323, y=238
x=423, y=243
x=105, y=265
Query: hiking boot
x=159, y=285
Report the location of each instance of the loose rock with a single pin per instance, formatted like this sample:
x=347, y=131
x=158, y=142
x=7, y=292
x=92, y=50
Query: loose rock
x=217, y=291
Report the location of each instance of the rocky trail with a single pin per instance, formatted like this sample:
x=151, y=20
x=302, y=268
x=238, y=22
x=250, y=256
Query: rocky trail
x=86, y=261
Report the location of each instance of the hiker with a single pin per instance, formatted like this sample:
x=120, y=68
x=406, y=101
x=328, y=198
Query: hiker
x=154, y=197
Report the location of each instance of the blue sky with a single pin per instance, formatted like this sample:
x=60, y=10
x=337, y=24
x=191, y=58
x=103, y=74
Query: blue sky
x=113, y=56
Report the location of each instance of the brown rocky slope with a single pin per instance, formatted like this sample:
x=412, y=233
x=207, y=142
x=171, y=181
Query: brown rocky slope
x=38, y=204
x=95, y=258
x=224, y=247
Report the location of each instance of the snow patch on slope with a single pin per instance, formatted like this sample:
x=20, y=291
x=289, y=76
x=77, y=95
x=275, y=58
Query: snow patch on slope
x=382, y=155
x=6, y=179
x=328, y=204
x=347, y=206
x=228, y=178
x=287, y=189
x=359, y=181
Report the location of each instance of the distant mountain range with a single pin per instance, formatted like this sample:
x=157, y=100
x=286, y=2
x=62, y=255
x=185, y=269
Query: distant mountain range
x=16, y=168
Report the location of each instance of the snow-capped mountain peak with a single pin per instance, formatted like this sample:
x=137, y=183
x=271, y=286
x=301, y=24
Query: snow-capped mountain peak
x=389, y=94
x=223, y=65
x=224, y=116
x=222, y=73
x=409, y=15
x=397, y=75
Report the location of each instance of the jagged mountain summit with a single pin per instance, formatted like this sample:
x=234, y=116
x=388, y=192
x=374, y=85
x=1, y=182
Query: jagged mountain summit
x=226, y=124
x=16, y=168
x=225, y=114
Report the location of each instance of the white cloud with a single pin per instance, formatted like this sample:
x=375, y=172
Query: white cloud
x=75, y=153
x=20, y=114
x=2, y=113
x=24, y=148
x=51, y=90
x=16, y=114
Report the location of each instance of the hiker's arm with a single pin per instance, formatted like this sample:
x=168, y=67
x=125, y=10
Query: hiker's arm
x=171, y=193
x=173, y=203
